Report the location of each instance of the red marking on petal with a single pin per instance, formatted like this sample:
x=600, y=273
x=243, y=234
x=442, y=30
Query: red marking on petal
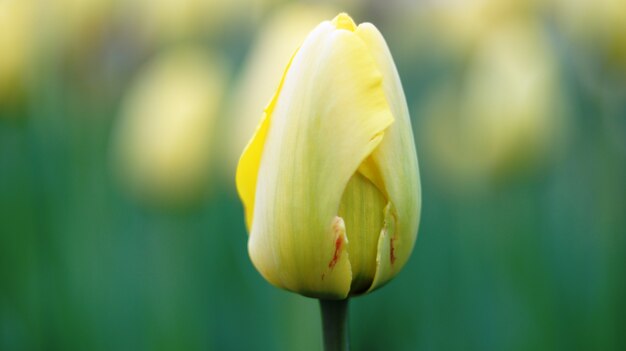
x=392, y=250
x=337, y=254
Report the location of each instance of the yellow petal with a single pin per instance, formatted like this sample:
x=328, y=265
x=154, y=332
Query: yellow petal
x=327, y=117
x=279, y=37
x=343, y=21
x=393, y=165
x=248, y=167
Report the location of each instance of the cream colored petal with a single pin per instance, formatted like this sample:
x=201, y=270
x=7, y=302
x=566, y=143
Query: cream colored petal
x=329, y=115
x=250, y=161
x=386, y=251
x=276, y=42
x=393, y=165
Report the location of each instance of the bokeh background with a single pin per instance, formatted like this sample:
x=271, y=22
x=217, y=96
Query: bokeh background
x=120, y=127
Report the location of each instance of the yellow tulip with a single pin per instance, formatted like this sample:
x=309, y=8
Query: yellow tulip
x=330, y=181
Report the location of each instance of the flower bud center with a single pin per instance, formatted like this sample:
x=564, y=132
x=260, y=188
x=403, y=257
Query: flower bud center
x=362, y=208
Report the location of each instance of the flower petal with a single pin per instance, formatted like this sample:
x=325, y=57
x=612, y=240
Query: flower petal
x=386, y=254
x=328, y=116
x=362, y=208
x=393, y=165
x=248, y=167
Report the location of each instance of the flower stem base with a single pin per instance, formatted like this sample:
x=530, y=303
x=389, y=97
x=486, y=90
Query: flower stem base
x=335, y=324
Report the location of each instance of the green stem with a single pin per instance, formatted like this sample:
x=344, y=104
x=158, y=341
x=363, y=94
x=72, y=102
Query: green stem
x=335, y=324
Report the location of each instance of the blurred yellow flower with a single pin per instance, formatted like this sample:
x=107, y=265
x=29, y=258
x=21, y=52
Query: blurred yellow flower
x=598, y=27
x=447, y=31
x=330, y=180
x=164, y=136
x=279, y=38
x=460, y=24
x=17, y=40
x=79, y=21
x=171, y=20
x=507, y=112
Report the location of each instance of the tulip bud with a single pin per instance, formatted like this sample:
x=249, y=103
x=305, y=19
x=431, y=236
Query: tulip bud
x=330, y=180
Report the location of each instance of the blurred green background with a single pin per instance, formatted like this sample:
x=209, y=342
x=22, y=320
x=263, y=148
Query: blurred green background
x=120, y=127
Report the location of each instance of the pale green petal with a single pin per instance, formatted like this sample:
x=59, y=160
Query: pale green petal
x=393, y=165
x=386, y=250
x=329, y=115
x=362, y=208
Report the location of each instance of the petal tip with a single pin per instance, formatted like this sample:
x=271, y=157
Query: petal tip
x=344, y=21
